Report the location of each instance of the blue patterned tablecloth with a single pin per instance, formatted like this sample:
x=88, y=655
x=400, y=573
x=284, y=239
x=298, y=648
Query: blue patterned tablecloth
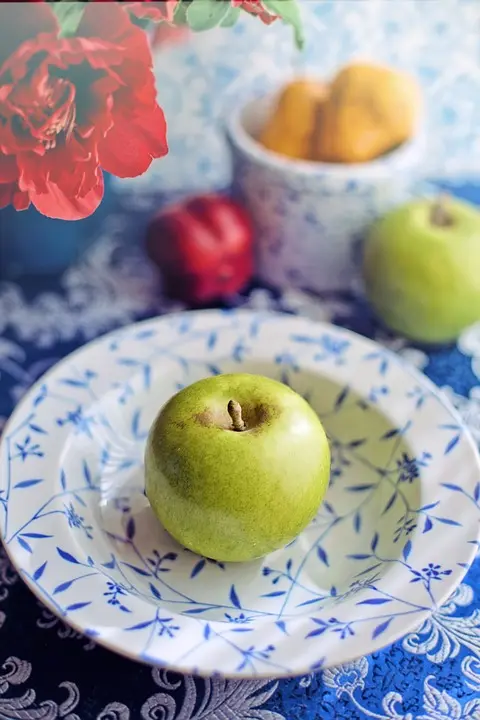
x=50, y=672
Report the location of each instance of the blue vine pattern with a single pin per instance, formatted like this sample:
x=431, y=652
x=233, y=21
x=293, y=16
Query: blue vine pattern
x=164, y=589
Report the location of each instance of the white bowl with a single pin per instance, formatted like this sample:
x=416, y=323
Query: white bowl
x=309, y=215
x=392, y=540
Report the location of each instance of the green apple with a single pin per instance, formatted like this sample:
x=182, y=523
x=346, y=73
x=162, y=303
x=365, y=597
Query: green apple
x=422, y=269
x=236, y=466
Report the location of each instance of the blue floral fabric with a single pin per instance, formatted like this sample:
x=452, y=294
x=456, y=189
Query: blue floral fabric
x=50, y=672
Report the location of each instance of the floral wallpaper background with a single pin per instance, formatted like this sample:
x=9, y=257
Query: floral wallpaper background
x=438, y=40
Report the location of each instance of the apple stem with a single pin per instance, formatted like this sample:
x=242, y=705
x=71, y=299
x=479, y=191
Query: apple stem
x=235, y=412
x=439, y=215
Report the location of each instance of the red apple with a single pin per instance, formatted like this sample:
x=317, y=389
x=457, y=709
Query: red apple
x=203, y=248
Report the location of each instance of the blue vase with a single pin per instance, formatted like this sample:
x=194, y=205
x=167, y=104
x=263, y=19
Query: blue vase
x=32, y=244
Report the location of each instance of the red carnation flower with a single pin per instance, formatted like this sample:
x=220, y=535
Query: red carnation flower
x=72, y=106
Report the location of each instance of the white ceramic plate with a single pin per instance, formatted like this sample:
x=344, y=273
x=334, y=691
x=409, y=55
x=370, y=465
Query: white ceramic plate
x=391, y=542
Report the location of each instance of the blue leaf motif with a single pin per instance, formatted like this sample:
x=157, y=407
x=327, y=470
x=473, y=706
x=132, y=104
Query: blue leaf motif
x=357, y=443
x=63, y=586
x=80, y=500
x=381, y=628
x=66, y=556
x=359, y=556
x=429, y=507
x=407, y=549
x=206, y=631
x=322, y=555
x=212, y=340
x=140, y=626
x=139, y=571
x=391, y=433
x=86, y=474
x=316, y=632
x=476, y=492
x=136, y=424
x=281, y=626
x=452, y=486
x=24, y=544
x=359, y=488
x=277, y=593
x=312, y=601
x=357, y=522
x=342, y=396
x=234, y=598
x=389, y=503
x=447, y=521
x=428, y=525
x=37, y=429
x=374, y=601
x=36, y=536
x=454, y=441
x=198, y=568
x=63, y=480
x=39, y=572
x=130, y=530
x=145, y=334
x=147, y=376
x=128, y=362
x=73, y=383
x=155, y=592
x=27, y=483
x=374, y=543
x=77, y=606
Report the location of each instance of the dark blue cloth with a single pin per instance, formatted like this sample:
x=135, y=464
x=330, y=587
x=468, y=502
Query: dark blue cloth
x=49, y=672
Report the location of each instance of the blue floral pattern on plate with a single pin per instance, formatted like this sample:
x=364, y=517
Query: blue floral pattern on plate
x=402, y=506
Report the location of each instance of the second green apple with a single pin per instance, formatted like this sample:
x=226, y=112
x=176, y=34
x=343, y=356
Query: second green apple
x=422, y=269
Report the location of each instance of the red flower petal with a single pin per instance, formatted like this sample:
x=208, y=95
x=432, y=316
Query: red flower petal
x=111, y=23
x=11, y=195
x=132, y=143
x=8, y=169
x=19, y=23
x=55, y=204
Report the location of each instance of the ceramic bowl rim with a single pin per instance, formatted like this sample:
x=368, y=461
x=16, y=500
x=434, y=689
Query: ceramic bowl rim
x=402, y=158
x=375, y=645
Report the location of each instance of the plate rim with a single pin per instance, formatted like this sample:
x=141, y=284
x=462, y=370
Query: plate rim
x=376, y=644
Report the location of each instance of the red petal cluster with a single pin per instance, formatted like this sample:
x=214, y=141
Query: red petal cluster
x=72, y=106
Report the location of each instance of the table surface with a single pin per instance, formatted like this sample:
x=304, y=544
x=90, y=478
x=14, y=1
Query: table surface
x=51, y=672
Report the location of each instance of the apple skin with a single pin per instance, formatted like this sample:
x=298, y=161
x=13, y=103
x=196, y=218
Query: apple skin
x=422, y=279
x=236, y=496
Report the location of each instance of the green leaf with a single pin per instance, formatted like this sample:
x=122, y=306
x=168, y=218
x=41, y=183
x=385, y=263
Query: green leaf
x=69, y=15
x=206, y=14
x=290, y=13
x=231, y=17
x=180, y=16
